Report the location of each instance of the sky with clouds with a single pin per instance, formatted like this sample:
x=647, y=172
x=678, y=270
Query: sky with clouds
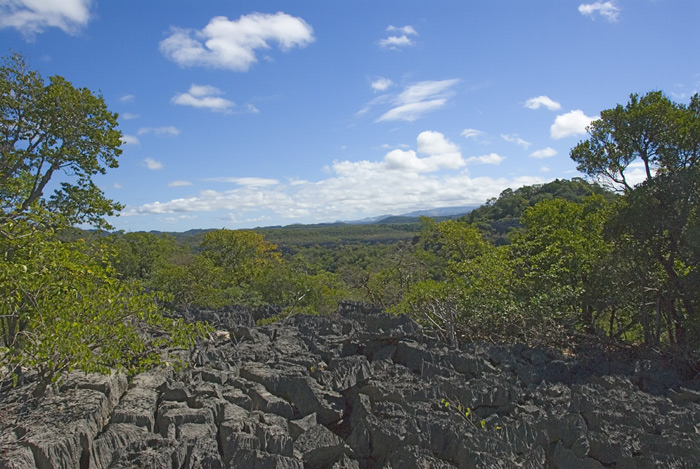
x=243, y=114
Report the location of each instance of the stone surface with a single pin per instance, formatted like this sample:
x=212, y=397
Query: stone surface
x=360, y=389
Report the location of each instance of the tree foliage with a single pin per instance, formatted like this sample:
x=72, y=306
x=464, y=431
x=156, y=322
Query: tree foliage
x=63, y=305
x=53, y=132
x=658, y=218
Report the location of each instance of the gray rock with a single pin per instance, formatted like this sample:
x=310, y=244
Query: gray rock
x=319, y=447
x=360, y=389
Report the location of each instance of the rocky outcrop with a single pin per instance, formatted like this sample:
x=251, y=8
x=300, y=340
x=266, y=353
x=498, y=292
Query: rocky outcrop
x=361, y=389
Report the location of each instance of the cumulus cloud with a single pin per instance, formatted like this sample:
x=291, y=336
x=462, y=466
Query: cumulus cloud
x=432, y=174
x=570, y=124
x=513, y=138
x=353, y=190
x=382, y=84
x=32, y=17
x=471, y=133
x=607, y=10
x=205, y=97
x=152, y=164
x=442, y=154
x=418, y=99
x=127, y=116
x=232, y=44
x=167, y=130
x=491, y=158
x=179, y=183
x=402, y=40
x=127, y=98
x=539, y=101
x=544, y=153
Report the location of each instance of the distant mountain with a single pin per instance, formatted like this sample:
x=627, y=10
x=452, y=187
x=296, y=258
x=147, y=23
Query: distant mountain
x=411, y=216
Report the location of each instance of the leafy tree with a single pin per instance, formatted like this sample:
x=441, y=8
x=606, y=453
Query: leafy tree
x=62, y=305
x=469, y=292
x=659, y=214
x=242, y=254
x=559, y=255
x=139, y=255
x=63, y=309
x=48, y=132
x=296, y=286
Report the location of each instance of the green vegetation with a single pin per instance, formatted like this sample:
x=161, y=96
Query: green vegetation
x=63, y=305
x=543, y=264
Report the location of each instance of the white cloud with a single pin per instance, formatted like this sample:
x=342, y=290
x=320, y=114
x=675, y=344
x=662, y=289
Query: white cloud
x=419, y=99
x=539, y=101
x=407, y=30
x=204, y=96
x=152, y=164
x=382, y=84
x=232, y=44
x=32, y=17
x=442, y=154
x=607, y=10
x=513, y=138
x=570, y=124
x=127, y=98
x=471, y=133
x=491, y=158
x=116, y=185
x=544, y=153
x=353, y=190
x=396, y=42
x=431, y=175
x=246, y=181
x=168, y=130
x=127, y=116
x=130, y=140
x=179, y=183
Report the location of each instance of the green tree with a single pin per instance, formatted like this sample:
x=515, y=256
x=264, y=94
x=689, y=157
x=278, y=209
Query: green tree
x=53, y=132
x=559, y=255
x=62, y=306
x=242, y=254
x=659, y=215
x=139, y=255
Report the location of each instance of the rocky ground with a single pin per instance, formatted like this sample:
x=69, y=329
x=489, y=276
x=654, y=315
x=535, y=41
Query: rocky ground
x=361, y=389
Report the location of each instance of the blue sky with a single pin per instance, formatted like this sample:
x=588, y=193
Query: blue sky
x=243, y=114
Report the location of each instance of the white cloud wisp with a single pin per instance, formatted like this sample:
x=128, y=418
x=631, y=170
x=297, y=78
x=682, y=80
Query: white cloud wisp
x=540, y=101
x=419, y=99
x=607, y=10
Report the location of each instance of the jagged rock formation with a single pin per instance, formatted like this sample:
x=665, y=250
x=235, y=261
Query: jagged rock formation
x=361, y=390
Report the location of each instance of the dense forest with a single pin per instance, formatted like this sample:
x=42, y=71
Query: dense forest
x=614, y=261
